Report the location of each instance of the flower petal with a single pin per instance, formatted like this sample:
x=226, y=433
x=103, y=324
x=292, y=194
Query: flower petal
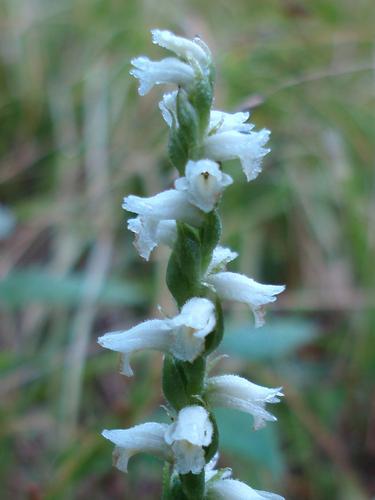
x=231, y=489
x=232, y=391
x=231, y=144
x=182, y=47
x=169, y=70
x=148, y=438
x=239, y=288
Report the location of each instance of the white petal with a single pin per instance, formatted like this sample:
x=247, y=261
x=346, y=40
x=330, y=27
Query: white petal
x=180, y=46
x=150, y=232
x=154, y=334
x=187, y=436
x=239, y=288
x=167, y=107
x=232, y=391
x=231, y=144
x=221, y=256
x=167, y=205
x=203, y=182
x=231, y=489
x=222, y=122
x=148, y=438
x=169, y=70
x=196, y=320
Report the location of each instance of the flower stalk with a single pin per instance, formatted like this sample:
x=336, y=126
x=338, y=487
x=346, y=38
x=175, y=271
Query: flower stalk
x=186, y=218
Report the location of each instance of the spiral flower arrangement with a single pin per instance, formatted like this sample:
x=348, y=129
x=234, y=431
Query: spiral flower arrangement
x=186, y=219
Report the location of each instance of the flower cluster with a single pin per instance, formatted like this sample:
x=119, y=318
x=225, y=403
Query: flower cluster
x=185, y=218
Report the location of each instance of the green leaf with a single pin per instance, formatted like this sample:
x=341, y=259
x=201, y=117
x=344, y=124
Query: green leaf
x=184, y=266
x=174, y=383
x=209, y=234
x=274, y=340
x=36, y=285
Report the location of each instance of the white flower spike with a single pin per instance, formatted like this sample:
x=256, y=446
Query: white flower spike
x=167, y=206
x=203, y=183
x=187, y=437
x=231, y=489
x=147, y=438
x=183, y=336
x=168, y=70
x=232, y=391
x=239, y=288
x=182, y=47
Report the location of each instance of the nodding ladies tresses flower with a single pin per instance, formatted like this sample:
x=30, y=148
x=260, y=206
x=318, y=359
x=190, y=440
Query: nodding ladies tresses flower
x=183, y=336
x=203, y=183
x=231, y=489
x=168, y=70
x=188, y=436
x=170, y=205
x=239, y=288
x=232, y=144
x=232, y=391
x=183, y=47
x=148, y=438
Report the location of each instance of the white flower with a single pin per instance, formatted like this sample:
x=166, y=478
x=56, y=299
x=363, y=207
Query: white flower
x=168, y=70
x=183, y=336
x=150, y=232
x=228, y=137
x=187, y=49
x=168, y=206
x=203, y=183
x=148, y=438
x=239, y=288
x=222, y=122
x=232, y=144
x=221, y=256
x=232, y=391
x=187, y=436
x=231, y=489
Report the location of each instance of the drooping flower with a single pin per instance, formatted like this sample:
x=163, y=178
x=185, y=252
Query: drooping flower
x=239, y=288
x=231, y=144
x=167, y=206
x=232, y=391
x=188, y=436
x=143, y=438
x=183, y=336
x=203, y=183
x=168, y=70
x=182, y=47
x=232, y=489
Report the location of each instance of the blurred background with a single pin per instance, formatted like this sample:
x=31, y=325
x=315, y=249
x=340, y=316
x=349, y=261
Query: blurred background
x=75, y=138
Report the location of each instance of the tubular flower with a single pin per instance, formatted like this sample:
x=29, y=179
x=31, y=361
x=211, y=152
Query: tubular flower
x=182, y=47
x=231, y=489
x=232, y=391
x=168, y=70
x=239, y=288
x=168, y=206
x=183, y=336
x=143, y=438
x=203, y=183
x=188, y=436
x=247, y=147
